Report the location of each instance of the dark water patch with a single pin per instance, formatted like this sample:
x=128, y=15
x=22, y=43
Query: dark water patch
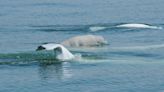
x=137, y=54
x=17, y=62
x=43, y=57
x=37, y=4
x=51, y=28
x=1, y=14
x=53, y=4
x=27, y=58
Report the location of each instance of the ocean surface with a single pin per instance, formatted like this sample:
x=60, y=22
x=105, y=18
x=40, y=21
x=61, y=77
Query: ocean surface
x=132, y=62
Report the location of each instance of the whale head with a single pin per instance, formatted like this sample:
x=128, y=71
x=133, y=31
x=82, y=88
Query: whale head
x=61, y=53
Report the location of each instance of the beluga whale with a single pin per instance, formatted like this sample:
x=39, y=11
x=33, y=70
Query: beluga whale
x=61, y=53
x=138, y=25
x=85, y=41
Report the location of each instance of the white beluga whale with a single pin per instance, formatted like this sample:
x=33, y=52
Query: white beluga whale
x=138, y=25
x=61, y=53
x=85, y=41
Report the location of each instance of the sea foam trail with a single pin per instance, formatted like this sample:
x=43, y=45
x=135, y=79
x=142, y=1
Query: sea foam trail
x=127, y=25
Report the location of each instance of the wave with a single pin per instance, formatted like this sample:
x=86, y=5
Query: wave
x=93, y=27
x=126, y=25
x=138, y=25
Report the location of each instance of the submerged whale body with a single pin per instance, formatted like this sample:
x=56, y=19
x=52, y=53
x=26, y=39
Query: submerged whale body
x=61, y=53
x=138, y=25
x=84, y=41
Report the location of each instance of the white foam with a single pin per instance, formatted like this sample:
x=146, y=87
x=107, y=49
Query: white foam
x=138, y=25
x=97, y=28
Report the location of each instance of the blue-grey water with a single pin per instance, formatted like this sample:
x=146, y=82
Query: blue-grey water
x=133, y=61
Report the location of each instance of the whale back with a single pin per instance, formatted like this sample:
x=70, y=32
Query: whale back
x=85, y=41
